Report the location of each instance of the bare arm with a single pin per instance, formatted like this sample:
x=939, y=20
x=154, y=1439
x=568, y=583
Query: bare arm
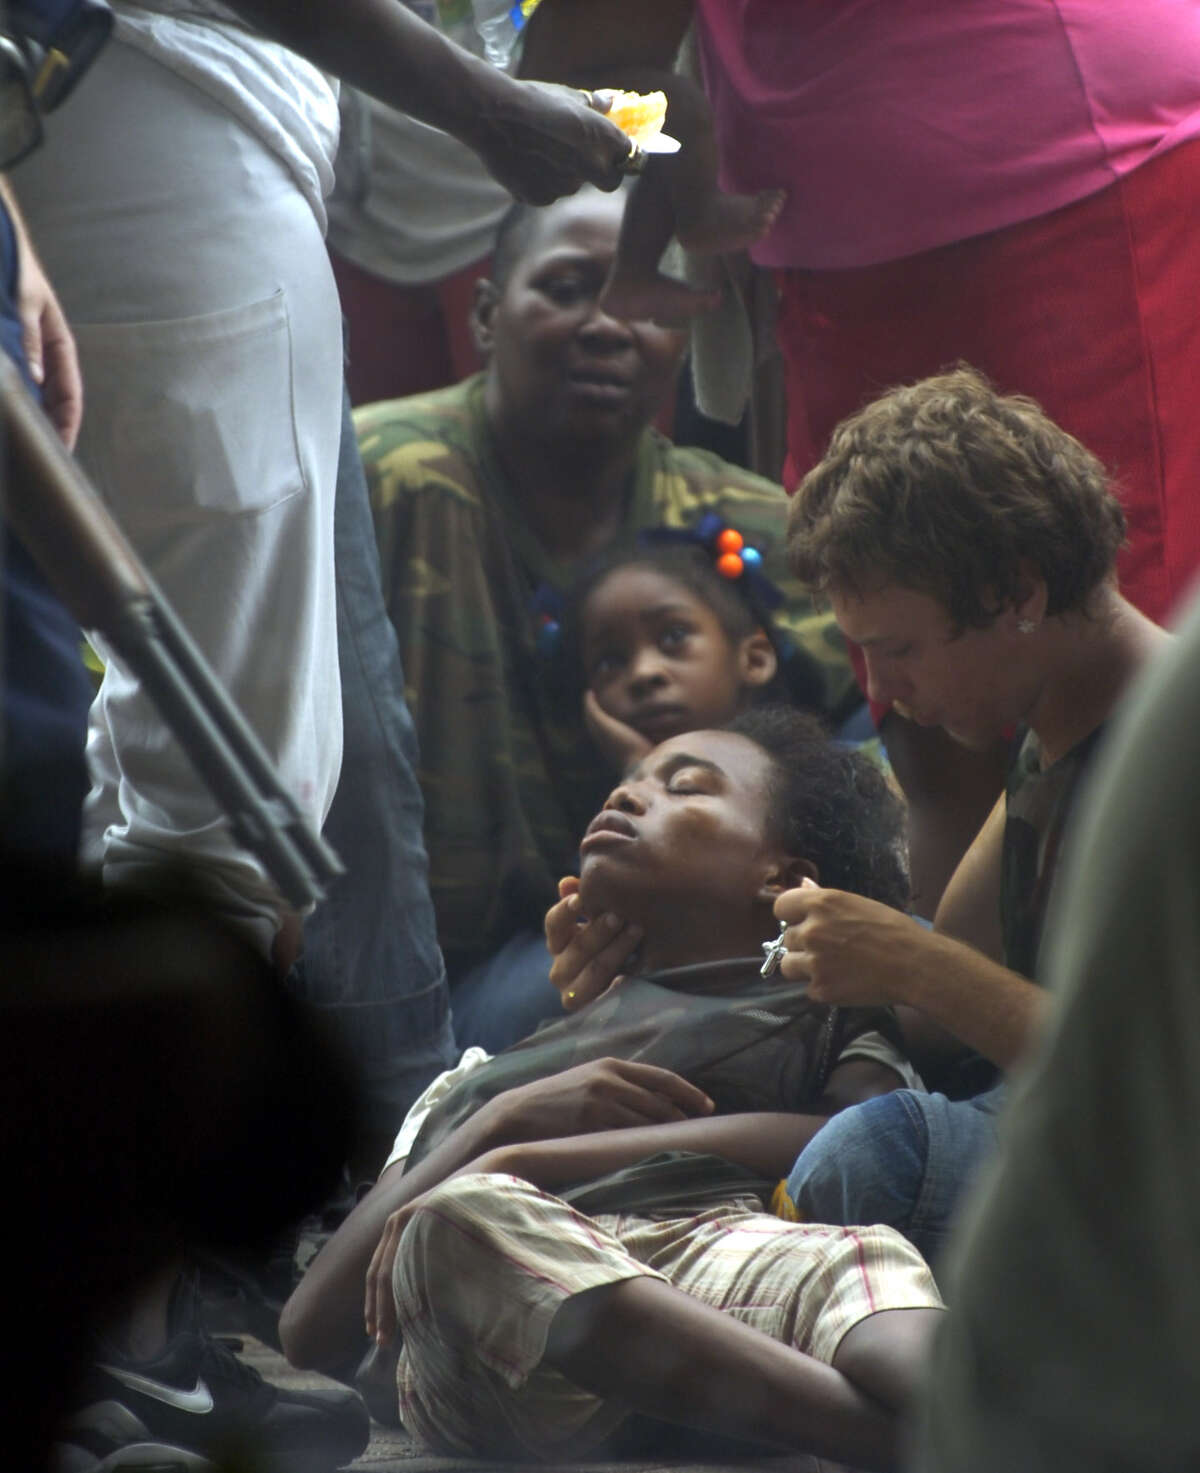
x=970, y=904
x=47, y=339
x=539, y=142
x=854, y=951
x=993, y=1010
x=619, y=743
x=322, y=1323
x=766, y=1143
x=969, y=911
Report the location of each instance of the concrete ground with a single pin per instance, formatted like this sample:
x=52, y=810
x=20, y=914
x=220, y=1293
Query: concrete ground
x=391, y=1450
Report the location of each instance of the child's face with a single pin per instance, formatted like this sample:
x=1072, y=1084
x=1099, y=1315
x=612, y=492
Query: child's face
x=657, y=657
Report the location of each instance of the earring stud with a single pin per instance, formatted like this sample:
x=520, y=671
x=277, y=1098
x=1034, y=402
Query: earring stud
x=1026, y=626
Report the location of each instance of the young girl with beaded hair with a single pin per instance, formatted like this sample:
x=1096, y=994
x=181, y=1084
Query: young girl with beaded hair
x=672, y=633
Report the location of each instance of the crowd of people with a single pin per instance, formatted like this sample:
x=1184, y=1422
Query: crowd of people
x=749, y=896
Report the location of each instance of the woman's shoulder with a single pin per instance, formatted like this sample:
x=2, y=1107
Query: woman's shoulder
x=426, y=446
x=708, y=474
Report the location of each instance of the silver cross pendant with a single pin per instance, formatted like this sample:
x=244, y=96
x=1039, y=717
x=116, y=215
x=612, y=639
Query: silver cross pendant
x=775, y=953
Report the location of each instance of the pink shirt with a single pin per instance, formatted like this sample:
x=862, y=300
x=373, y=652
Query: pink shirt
x=900, y=125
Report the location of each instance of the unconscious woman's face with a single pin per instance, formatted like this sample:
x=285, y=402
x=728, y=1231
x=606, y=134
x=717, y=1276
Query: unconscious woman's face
x=685, y=830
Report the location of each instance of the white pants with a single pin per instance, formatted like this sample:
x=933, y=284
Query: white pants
x=196, y=279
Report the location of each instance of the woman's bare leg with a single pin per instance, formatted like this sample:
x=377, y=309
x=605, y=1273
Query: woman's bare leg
x=677, y=195
x=636, y=290
x=667, y=1355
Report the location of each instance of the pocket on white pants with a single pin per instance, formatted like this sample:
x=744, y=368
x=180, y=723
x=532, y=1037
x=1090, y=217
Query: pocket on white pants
x=191, y=416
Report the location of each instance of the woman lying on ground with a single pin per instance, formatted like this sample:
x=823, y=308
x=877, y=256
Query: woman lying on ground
x=528, y=1328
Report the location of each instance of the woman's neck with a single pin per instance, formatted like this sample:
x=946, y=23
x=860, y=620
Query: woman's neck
x=572, y=493
x=685, y=939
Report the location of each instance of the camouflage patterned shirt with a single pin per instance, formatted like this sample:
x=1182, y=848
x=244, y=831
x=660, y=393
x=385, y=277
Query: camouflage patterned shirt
x=510, y=778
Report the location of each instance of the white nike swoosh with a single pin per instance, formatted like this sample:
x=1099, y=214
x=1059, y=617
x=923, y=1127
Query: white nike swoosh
x=197, y=1400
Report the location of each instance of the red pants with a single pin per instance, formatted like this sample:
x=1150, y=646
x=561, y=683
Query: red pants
x=1093, y=310
x=406, y=339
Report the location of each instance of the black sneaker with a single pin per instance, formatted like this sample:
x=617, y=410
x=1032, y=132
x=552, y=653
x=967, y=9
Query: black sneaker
x=199, y=1396
x=106, y=1438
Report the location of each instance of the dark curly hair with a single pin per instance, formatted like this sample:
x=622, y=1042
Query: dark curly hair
x=832, y=805
x=953, y=489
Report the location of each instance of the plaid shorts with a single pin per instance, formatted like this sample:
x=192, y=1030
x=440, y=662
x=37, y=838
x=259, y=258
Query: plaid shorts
x=485, y=1264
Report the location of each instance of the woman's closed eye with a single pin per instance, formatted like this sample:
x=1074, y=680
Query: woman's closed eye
x=692, y=780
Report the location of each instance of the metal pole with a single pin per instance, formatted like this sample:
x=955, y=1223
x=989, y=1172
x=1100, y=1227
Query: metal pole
x=92, y=567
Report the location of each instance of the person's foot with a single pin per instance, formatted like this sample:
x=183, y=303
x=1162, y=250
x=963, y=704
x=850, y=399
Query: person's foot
x=730, y=222
x=197, y=1395
x=106, y=1437
x=655, y=298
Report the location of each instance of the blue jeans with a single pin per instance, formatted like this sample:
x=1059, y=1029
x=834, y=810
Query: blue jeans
x=45, y=691
x=904, y=1159
x=505, y=997
x=371, y=956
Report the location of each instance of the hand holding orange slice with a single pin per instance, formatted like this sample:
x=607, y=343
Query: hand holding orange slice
x=640, y=116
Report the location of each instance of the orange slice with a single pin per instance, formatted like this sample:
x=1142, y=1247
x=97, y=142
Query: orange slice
x=639, y=115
